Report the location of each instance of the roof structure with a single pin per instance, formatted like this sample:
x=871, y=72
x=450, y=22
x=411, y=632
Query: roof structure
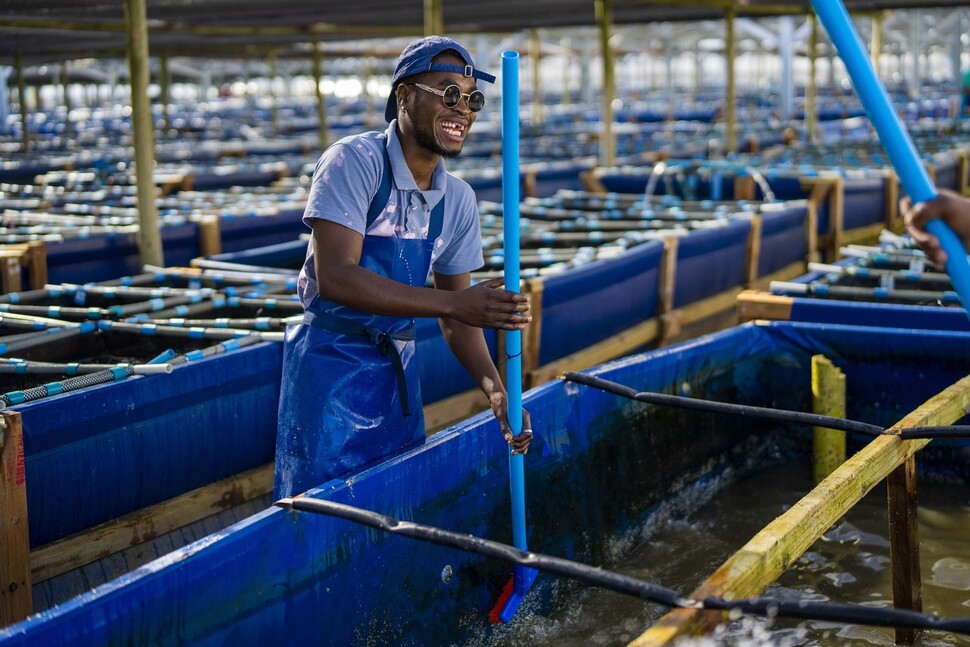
x=51, y=30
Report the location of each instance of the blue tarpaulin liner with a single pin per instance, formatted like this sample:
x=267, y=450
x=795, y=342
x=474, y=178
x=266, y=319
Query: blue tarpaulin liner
x=783, y=239
x=598, y=467
x=592, y=303
x=104, y=451
x=710, y=261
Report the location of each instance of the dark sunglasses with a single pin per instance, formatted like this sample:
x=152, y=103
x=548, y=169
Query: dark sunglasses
x=451, y=95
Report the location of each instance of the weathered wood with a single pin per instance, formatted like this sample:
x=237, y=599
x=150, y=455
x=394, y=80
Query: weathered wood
x=36, y=259
x=904, y=544
x=210, y=237
x=755, y=304
x=828, y=399
x=893, y=220
x=721, y=305
x=753, y=251
x=781, y=542
x=448, y=411
x=591, y=182
x=667, y=277
x=143, y=525
x=10, y=279
x=744, y=187
x=15, y=582
x=532, y=336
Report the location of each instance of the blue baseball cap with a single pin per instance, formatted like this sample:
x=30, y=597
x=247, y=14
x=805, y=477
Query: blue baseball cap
x=416, y=58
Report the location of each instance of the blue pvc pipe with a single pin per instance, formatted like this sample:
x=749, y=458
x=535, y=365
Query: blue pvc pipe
x=899, y=147
x=523, y=576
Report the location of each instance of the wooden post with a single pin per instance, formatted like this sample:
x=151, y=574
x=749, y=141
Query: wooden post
x=321, y=99
x=532, y=336
x=434, y=19
x=36, y=264
x=754, y=251
x=904, y=544
x=10, y=279
x=149, y=237
x=15, y=584
x=210, y=241
x=164, y=95
x=828, y=399
x=604, y=21
x=811, y=110
x=274, y=108
x=22, y=98
x=730, y=115
x=892, y=222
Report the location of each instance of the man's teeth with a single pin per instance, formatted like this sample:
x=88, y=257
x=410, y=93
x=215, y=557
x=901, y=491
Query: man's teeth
x=453, y=129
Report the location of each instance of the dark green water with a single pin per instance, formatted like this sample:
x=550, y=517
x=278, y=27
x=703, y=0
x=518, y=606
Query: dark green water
x=849, y=565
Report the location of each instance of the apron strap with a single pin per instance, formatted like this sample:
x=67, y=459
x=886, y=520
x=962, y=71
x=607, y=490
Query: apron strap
x=379, y=201
x=381, y=340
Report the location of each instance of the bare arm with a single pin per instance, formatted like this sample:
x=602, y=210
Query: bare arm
x=468, y=344
x=341, y=279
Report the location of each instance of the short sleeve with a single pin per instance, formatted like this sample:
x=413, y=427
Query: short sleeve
x=345, y=180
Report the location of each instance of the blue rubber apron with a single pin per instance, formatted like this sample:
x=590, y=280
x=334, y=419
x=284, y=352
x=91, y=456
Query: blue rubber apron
x=350, y=392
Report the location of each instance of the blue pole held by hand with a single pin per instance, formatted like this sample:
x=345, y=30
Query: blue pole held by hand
x=522, y=576
x=899, y=147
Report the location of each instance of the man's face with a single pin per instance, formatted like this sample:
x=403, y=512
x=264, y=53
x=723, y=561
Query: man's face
x=438, y=128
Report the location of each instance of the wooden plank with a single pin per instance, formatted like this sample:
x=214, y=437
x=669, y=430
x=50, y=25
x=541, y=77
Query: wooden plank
x=868, y=235
x=753, y=251
x=904, y=544
x=755, y=304
x=699, y=312
x=15, y=582
x=445, y=413
x=142, y=525
x=618, y=345
x=756, y=565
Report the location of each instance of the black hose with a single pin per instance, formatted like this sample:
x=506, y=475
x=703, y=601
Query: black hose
x=743, y=410
x=842, y=613
x=766, y=413
x=471, y=543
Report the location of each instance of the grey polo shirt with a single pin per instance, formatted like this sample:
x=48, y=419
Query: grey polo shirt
x=345, y=180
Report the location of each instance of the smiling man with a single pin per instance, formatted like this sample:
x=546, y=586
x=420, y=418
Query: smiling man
x=384, y=213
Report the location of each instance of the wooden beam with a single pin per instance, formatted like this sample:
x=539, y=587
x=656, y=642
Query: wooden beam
x=111, y=537
x=15, y=582
x=756, y=565
x=156, y=26
x=755, y=304
x=434, y=19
